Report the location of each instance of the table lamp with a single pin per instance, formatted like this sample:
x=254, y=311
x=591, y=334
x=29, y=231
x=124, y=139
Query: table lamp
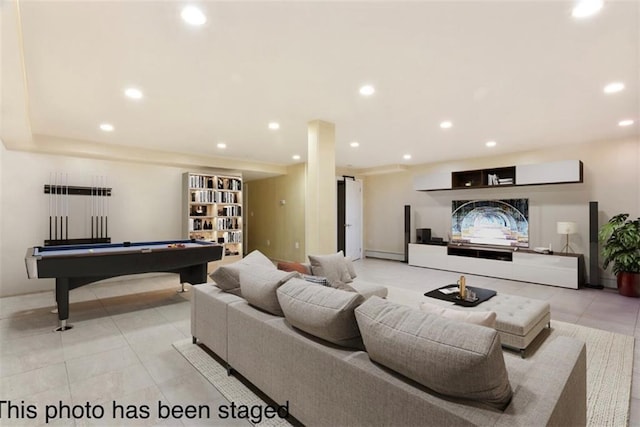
x=566, y=228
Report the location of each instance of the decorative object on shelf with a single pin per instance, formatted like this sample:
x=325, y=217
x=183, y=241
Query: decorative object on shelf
x=566, y=228
x=620, y=238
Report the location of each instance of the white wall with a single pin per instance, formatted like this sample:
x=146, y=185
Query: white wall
x=611, y=177
x=2, y=151
x=145, y=206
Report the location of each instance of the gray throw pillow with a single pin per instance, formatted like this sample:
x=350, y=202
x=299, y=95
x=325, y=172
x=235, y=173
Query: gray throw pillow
x=227, y=277
x=350, y=268
x=259, y=285
x=321, y=311
x=452, y=358
x=333, y=267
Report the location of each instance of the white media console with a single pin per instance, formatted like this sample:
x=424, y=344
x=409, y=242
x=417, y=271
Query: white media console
x=565, y=270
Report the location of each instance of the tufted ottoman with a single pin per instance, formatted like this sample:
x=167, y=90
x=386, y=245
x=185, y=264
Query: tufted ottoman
x=519, y=320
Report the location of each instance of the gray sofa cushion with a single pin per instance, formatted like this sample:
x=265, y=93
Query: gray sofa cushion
x=449, y=357
x=321, y=311
x=482, y=318
x=367, y=289
x=227, y=277
x=333, y=267
x=259, y=285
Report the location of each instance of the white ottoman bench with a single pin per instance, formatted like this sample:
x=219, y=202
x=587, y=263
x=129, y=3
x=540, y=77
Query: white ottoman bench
x=519, y=320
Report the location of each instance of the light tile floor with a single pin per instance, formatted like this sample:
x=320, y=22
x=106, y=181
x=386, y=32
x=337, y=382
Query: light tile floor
x=120, y=347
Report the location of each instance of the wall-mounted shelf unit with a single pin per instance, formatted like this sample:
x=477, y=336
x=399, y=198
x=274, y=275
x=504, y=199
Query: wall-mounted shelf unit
x=212, y=206
x=561, y=172
x=483, y=177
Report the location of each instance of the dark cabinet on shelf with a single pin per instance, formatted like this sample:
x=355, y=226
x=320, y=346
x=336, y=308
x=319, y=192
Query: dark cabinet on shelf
x=484, y=177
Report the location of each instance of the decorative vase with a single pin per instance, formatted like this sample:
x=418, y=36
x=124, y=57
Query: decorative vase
x=629, y=284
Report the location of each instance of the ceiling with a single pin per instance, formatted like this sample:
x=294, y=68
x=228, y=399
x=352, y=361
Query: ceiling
x=525, y=74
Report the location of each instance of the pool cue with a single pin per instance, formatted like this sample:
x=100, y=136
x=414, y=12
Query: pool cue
x=61, y=207
x=97, y=208
x=50, y=204
x=55, y=206
x=101, y=206
x=106, y=202
x=92, y=207
x=66, y=202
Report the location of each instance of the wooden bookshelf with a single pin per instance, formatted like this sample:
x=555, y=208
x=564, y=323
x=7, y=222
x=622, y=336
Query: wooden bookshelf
x=212, y=206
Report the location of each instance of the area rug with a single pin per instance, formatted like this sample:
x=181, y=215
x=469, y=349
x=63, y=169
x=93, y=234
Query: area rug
x=228, y=385
x=609, y=364
x=609, y=369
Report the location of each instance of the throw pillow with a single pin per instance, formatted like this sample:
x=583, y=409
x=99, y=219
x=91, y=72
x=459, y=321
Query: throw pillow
x=333, y=267
x=227, y=277
x=319, y=280
x=321, y=311
x=452, y=358
x=294, y=266
x=482, y=318
x=259, y=285
x=350, y=267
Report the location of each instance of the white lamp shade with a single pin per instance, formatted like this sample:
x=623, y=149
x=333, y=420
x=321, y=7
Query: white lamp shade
x=567, y=227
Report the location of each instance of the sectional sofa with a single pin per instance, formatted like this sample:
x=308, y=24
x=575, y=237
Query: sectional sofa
x=339, y=358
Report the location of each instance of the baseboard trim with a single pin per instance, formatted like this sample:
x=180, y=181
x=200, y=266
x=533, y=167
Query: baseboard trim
x=394, y=256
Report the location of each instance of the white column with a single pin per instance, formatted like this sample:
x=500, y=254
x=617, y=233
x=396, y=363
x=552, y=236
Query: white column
x=321, y=200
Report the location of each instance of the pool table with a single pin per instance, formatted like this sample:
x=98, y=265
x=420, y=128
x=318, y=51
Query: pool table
x=77, y=265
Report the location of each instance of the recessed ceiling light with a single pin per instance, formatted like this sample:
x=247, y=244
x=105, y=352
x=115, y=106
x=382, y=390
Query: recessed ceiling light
x=627, y=122
x=586, y=8
x=221, y=145
x=407, y=157
x=613, y=87
x=107, y=127
x=133, y=93
x=446, y=125
x=367, y=90
x=274, y=125
x=192, y=15
x=354, y=144
x=296, y=157
x=490, y=143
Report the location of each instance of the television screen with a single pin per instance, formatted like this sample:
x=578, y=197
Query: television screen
x=491, y=222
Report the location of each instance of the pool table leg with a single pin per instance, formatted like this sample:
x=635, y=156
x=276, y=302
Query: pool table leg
x=62, y=299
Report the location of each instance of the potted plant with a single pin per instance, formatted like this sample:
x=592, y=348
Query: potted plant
x=620, y=239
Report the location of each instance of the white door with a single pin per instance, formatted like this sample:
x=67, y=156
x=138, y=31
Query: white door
x=353, y=218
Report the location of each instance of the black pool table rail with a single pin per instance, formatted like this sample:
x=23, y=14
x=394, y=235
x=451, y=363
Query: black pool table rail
x=77, y=270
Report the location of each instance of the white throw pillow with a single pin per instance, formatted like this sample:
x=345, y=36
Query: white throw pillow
x=482, y=318
x=227, y=277
x=350, y=267
x=333, y=267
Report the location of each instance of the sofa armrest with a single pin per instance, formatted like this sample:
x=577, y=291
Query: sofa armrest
x=209, y=316
x=554, y=392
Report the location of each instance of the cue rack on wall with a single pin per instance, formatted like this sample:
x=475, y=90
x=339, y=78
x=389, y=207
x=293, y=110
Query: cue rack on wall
x=59, y=192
